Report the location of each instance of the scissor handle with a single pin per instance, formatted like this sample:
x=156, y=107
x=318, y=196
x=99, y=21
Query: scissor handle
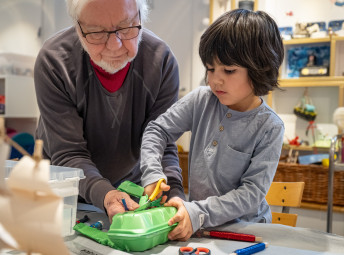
x=187, y=251
x=202, y=250
x=191, y=251
x=157, y=189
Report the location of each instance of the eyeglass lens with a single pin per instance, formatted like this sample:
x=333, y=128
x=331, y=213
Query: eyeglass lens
x=123, y=34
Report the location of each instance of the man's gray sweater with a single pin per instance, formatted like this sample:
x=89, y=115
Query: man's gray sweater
x=85, y=126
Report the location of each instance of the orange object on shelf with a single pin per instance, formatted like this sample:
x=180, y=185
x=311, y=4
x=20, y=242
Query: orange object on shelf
x=294, y=141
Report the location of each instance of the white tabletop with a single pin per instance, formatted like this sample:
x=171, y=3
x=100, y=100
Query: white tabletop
x=281, y=239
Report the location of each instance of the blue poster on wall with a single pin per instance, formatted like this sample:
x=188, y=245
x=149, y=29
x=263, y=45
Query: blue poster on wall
x=298, y=57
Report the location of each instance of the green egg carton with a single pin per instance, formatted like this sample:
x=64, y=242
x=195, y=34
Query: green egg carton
x=131, y=188
x=140, y=231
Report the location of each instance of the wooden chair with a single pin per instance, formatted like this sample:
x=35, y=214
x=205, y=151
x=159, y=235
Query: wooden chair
x=285, y=194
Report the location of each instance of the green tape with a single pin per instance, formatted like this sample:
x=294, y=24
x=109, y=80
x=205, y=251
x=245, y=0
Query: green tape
x=131, y=188
x=95, y=234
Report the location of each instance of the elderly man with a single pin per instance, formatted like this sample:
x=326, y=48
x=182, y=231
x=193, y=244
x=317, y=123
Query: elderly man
x=98, y=85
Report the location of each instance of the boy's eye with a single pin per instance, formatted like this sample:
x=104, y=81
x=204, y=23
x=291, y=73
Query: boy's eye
x=229, y=71
x=209, y=69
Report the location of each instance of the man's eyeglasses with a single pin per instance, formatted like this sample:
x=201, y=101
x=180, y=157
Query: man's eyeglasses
x=101, y=37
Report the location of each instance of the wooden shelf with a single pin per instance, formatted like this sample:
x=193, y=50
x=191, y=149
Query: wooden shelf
x=306, y=41
x=304, y=148
x=326, y=39
x=337, y=38
x=316, y=81
x=325, y=81
x=339, y=166
x=319, y=81
x=321, y=207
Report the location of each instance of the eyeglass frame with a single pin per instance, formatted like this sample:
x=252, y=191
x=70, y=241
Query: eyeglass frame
x=110, y=32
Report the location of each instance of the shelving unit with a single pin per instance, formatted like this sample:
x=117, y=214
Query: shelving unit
x=21, y=110
x=336, y=68
x=335, y=79
x=328, y=81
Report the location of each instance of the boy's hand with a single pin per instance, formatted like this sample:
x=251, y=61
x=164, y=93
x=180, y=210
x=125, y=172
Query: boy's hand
x=150, y=188
x=113, y=203
x=183, y=230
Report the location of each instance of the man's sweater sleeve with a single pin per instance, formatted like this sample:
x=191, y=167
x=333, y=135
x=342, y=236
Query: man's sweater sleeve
x=61, y=127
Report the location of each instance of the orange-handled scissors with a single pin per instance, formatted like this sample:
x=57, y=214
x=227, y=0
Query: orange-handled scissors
x=157, y=190
x=192, y=251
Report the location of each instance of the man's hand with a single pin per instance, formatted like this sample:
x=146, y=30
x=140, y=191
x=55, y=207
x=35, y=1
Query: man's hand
x=163, y=186
x=183, y=230
x=113, y=203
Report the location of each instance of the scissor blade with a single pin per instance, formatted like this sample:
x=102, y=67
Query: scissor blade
x=143, y=207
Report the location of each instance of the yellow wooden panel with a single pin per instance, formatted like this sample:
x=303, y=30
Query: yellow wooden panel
x=284, y=218
x=306, y=40
x=255, y=8
x=332, y=57
x=323, y=81
x=211, y=11
x=233, y=4
x=322, y=207
x=341, y=96
x=285, y=194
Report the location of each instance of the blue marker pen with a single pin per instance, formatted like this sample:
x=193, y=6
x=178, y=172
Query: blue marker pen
x=125, y=204
x=97, y=225
x=250, y=249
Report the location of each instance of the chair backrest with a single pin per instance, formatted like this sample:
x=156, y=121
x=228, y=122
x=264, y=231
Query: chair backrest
x=285, y=194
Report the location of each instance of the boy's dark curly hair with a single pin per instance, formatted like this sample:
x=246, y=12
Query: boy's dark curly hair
x=247, y=39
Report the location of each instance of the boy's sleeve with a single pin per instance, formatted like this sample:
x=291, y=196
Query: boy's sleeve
x=167, y=128
x=165, y=64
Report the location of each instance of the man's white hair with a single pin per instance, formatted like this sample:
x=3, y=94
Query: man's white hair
x=74, y=8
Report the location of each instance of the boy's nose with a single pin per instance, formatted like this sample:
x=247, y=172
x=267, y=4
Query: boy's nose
x=217, y=79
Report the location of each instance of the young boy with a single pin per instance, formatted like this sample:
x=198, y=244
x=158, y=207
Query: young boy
x=236, y=137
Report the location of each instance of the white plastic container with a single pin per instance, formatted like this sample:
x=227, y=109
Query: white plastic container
x=65, y=182
x=16, y=64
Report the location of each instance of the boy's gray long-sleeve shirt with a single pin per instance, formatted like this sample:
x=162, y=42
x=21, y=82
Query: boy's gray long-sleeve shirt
x=232, y=160
x=85, y=126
